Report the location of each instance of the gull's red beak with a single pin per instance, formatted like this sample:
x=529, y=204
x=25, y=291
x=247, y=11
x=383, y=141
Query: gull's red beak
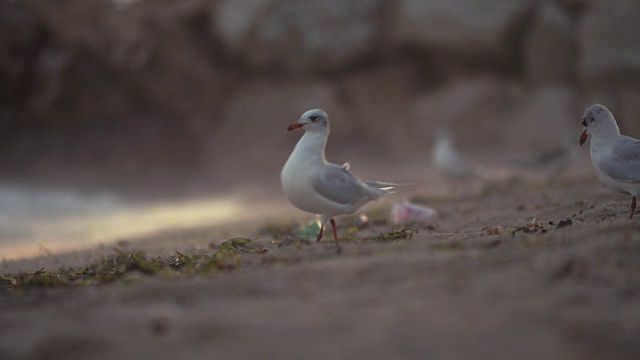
x=583, y=137
x=294, y=126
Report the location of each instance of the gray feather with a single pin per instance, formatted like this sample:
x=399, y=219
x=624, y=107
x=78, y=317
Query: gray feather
x=625, y=163
x=337, y=184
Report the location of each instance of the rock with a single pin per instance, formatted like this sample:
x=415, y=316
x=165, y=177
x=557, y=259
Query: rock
x=123, y=4
x=124, y=93
x=149, y=51
x=546, y=118
x=496, y=115
x=476, y=31
x=21, y=37
x=235, y=19
x=550, y=49
x=573, y=5
x=609, y=43
x=564, y=223
x=477, y=109
x=378, y=97
x=629, y=113
x=305, y=36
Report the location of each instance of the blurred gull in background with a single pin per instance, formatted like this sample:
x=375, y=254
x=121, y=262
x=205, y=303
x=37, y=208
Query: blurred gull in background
x=448, y=160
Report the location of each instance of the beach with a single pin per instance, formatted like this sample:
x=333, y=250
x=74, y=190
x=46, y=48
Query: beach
x=493, y=275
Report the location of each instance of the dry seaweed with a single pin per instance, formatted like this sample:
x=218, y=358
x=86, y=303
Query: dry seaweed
x=113, y=267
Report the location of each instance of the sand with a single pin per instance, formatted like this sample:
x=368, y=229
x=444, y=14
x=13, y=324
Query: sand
x=466, y=286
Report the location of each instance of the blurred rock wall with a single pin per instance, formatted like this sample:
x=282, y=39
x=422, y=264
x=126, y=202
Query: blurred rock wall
x=106, y=92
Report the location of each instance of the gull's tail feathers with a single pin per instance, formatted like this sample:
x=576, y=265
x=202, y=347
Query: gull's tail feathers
x=385, y=188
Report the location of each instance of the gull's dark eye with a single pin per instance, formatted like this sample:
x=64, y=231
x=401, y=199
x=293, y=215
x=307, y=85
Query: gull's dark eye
x=314, y=118
x=584, y=123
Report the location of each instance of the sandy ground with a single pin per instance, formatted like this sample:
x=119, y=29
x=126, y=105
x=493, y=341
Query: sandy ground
x=453, y=291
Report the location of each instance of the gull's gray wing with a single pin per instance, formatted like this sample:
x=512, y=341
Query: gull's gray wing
x=337, y=184
x=624, y=165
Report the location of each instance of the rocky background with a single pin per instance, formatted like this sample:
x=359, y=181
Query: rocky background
x=154, y=94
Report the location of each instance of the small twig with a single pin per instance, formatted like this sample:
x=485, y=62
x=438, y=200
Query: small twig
x=37, y=273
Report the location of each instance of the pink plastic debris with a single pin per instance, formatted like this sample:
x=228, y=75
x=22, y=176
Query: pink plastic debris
x=408, y=212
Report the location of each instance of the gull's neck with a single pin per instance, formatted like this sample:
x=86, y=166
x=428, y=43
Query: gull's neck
x=311, y=146
x=605, y=134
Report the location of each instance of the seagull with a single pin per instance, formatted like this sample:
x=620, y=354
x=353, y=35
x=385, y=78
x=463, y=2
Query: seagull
x=314, y=185
x=615, y=158
x=447, y=159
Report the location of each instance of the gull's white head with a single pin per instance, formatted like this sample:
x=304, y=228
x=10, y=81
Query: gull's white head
x=599, y=121
x=315, y=120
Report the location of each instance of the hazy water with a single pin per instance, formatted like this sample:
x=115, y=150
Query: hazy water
x=38, y=220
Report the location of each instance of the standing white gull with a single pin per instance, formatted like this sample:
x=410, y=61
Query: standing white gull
x=615, y=158
x=314, y=185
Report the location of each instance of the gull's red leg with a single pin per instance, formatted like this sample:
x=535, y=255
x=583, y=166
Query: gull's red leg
x=335, y=233
x=319, y=237
x=633, y=207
